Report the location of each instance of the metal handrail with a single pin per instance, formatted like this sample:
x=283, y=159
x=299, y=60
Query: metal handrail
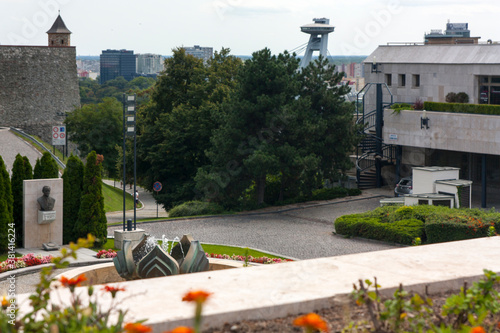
x=58, y=161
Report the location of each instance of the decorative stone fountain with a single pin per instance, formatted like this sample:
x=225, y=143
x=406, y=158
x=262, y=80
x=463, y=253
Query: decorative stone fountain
x=148, y=259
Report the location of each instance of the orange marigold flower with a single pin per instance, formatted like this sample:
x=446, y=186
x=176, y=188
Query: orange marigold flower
x=198, y=296
x=311, y=321
x=112, y=290
x=72, y=282
x=181, y=329
x=477, y=329
x=5, y=302
x=136, y=328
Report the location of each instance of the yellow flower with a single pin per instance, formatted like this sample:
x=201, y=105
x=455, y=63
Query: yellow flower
x=5, y=303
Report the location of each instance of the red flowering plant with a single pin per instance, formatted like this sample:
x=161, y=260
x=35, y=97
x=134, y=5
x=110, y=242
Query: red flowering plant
x=83, y=314
x=199, y=297
x=311, y=323
x=259, y=260
x=106, y=254
x=27, y=260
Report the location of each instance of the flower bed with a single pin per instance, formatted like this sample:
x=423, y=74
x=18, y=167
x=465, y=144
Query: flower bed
x=259, y=260
x=25, y=261
x=106, y=254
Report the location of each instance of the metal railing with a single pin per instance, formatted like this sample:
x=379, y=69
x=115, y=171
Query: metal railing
x=20, y=132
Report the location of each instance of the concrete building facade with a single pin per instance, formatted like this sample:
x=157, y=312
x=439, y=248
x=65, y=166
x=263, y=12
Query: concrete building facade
x=467, y=141
x=149, y=63
x=201, y=52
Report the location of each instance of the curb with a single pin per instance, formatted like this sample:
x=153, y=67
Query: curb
x=37, y=268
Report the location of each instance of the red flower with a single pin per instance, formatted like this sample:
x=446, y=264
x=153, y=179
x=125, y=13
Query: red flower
x=181, y=329
x=477, y=329
x=136, y=328
x=198, y=296
x=311, y=321
x=72, y=283
x=112, y=290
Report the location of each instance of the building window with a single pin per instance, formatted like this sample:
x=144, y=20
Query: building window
x=489, y=90
x=415, y=80
x=388, y=79
x=402, y=80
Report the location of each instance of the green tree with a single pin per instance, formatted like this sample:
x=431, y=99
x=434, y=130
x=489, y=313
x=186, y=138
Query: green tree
x=21, y=170
x=46, y=167
x=176, y=125
x=243, y=149
x=91, y=215
x=99, y=128
x=72, y=191
x=6, y=208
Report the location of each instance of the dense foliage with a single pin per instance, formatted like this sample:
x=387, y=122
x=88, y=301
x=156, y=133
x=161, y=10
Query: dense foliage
x=176, y=126
x=91, y=92
x=98, y=128
x=432, y=224
x=21, y=170
x=46, y=167
x=91, y=215
x=72, y=191
x=6, y=208
x=194, y=208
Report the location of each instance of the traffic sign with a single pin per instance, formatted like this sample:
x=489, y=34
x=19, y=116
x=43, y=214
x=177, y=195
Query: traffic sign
x=58, y=135
x=157, y=186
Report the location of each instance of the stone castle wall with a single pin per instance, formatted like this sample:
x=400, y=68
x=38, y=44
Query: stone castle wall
x=36, y=84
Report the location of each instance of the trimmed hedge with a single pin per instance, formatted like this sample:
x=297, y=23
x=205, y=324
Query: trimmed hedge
x=463, y=108
x=401, y=232
x=193, y=208
x=439, y=223
x=334, y=193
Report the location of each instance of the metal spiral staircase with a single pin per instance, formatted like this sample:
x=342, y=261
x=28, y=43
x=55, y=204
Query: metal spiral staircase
x=372, y=153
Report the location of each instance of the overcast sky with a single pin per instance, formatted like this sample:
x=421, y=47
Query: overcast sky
x=244, y=26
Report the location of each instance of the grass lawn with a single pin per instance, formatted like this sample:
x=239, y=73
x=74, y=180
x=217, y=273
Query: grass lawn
x=209, y=248
x=113, y=199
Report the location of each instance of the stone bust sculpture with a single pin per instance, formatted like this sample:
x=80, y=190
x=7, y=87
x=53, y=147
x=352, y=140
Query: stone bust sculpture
x=46, y=202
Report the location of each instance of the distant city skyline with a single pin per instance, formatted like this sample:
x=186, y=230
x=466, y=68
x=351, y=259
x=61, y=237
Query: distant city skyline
x=156, y=26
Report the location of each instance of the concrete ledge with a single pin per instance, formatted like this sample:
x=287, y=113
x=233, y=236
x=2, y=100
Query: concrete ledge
x=271, y=291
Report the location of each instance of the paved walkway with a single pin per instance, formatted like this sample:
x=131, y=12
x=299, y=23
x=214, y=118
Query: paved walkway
x=149, y=208
x=11, y=145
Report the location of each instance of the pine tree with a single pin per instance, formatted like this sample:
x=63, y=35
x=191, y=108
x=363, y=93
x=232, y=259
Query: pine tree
x=46, y=167
x=73, y=185
x=6, y=207
x=91, y=216
x=21, y=170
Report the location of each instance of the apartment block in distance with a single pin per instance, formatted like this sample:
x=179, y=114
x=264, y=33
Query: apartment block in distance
x=201, y=52
x=149, y=63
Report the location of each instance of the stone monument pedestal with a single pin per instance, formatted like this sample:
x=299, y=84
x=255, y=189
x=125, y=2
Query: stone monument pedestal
x=135, y=236
x=46, y=217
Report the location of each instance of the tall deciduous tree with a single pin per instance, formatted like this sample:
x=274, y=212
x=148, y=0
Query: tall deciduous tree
x=176, y=126
x=91, y=215
x=98, y=127
x=46, y=167
x=244, y=147
x=6, y=209
x=73, y=186
x=21, y=170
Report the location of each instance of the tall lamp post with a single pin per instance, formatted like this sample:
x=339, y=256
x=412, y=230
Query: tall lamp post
x=129, y=131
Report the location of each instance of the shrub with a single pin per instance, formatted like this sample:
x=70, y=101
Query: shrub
x=21, y=170
x=397, y=107
x=402, y=232
x=463, y=108
x=46, y=167
x=448, y=231
x=418, y=105
x=72, y=192
x=451, y=97
x=193, y=208
x=462, y=98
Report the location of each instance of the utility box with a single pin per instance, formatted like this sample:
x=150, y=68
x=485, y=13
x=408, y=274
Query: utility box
x=425, y=178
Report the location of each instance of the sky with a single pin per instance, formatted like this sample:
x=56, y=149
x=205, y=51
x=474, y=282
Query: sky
x=244, y=26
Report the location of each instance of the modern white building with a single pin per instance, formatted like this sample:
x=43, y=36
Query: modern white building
x=201, y=52
x=149, y=63
x=318, y=40
x=467, y=141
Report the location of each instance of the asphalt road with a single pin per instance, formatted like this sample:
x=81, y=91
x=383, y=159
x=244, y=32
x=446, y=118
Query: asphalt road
x=304, y=233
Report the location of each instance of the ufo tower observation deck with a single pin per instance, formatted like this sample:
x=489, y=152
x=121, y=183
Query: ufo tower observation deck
x=318, y=41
